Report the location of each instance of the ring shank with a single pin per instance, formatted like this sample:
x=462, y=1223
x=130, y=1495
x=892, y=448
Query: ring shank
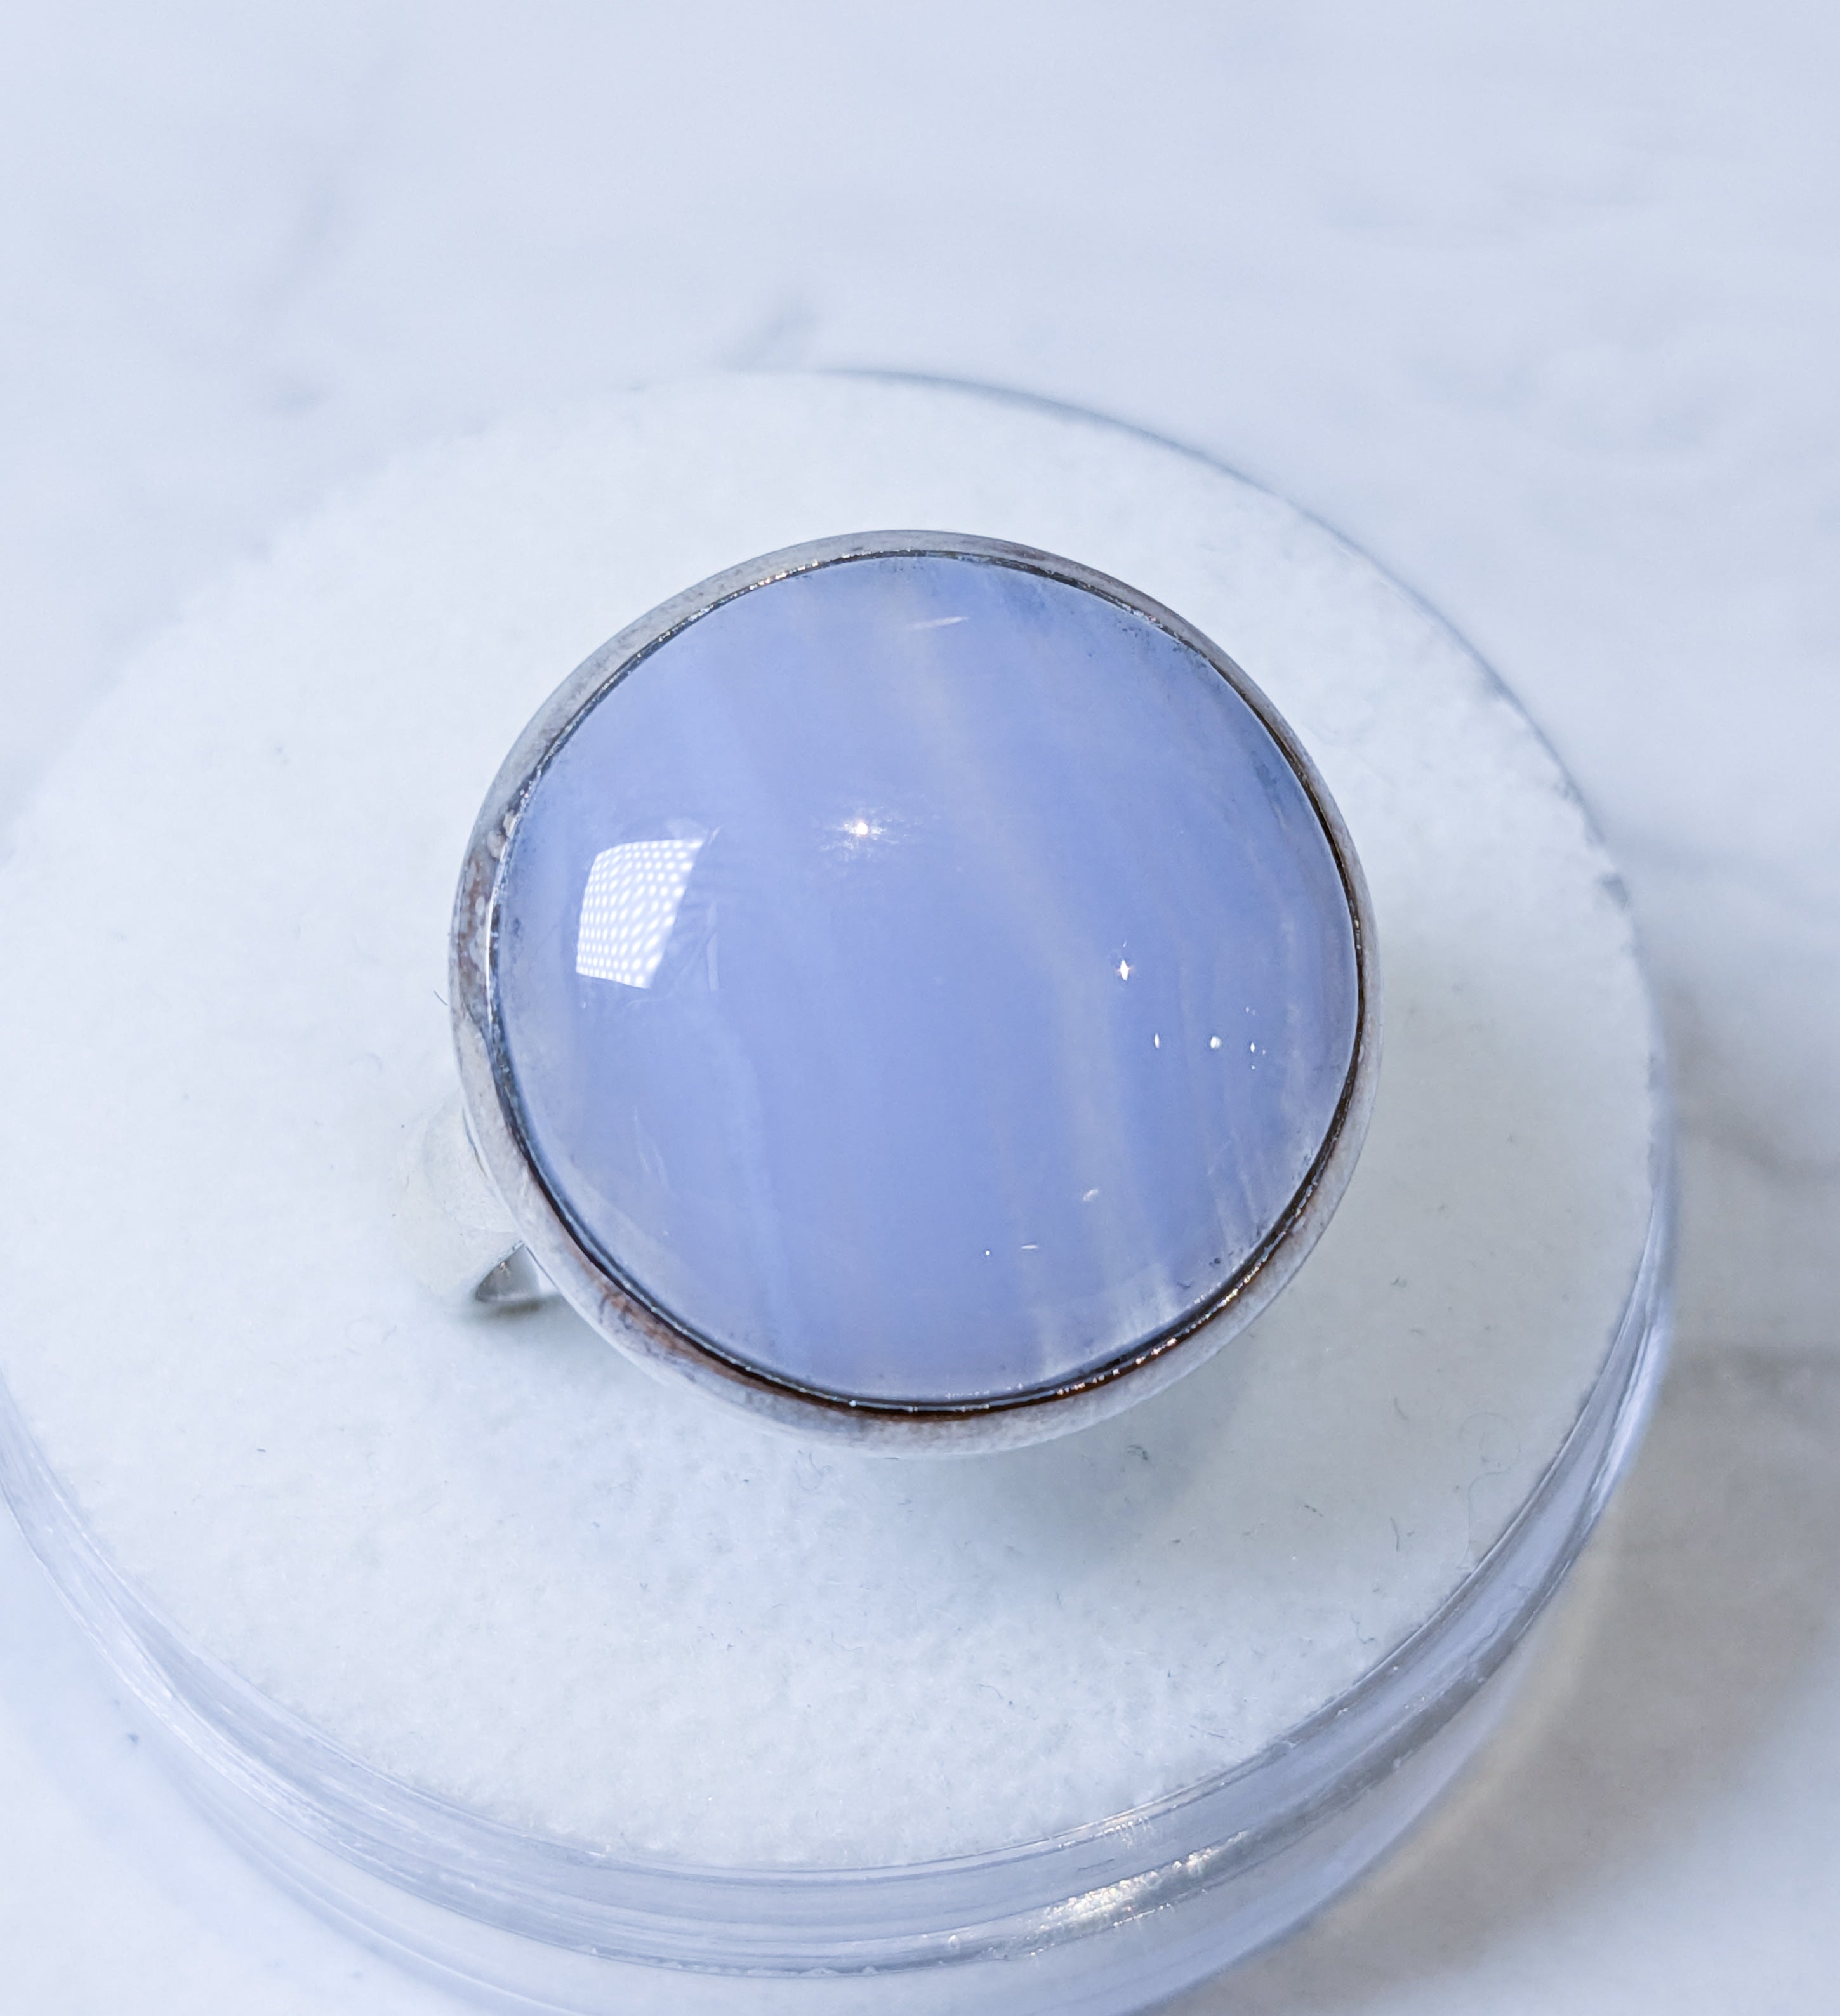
x=458, y=1238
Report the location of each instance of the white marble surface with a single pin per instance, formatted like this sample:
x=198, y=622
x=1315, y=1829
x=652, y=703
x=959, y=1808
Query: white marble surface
x=1540, y=307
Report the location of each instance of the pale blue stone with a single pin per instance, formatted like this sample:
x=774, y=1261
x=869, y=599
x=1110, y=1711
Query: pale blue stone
x=924, y=980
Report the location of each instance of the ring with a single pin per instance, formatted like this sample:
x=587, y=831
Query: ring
x=909, y=985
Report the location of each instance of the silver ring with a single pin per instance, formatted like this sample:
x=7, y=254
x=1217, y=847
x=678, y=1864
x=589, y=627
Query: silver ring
x=514, y=1241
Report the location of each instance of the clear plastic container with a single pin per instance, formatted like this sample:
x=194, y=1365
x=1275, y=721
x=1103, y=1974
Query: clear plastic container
x=340, y=1548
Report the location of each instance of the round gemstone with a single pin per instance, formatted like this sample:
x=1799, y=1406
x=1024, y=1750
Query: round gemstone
x=924, y=980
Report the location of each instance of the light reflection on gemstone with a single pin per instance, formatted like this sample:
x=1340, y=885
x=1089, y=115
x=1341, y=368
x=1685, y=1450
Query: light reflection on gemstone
x=628, y=904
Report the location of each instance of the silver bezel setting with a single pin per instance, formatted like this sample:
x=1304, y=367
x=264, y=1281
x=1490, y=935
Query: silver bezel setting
x=618, y=1307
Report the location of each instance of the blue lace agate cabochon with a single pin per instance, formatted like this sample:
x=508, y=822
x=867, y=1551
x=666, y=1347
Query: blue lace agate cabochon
x=925, y=980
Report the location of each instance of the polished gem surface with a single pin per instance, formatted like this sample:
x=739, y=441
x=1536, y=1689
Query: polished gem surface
x=924, y=980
